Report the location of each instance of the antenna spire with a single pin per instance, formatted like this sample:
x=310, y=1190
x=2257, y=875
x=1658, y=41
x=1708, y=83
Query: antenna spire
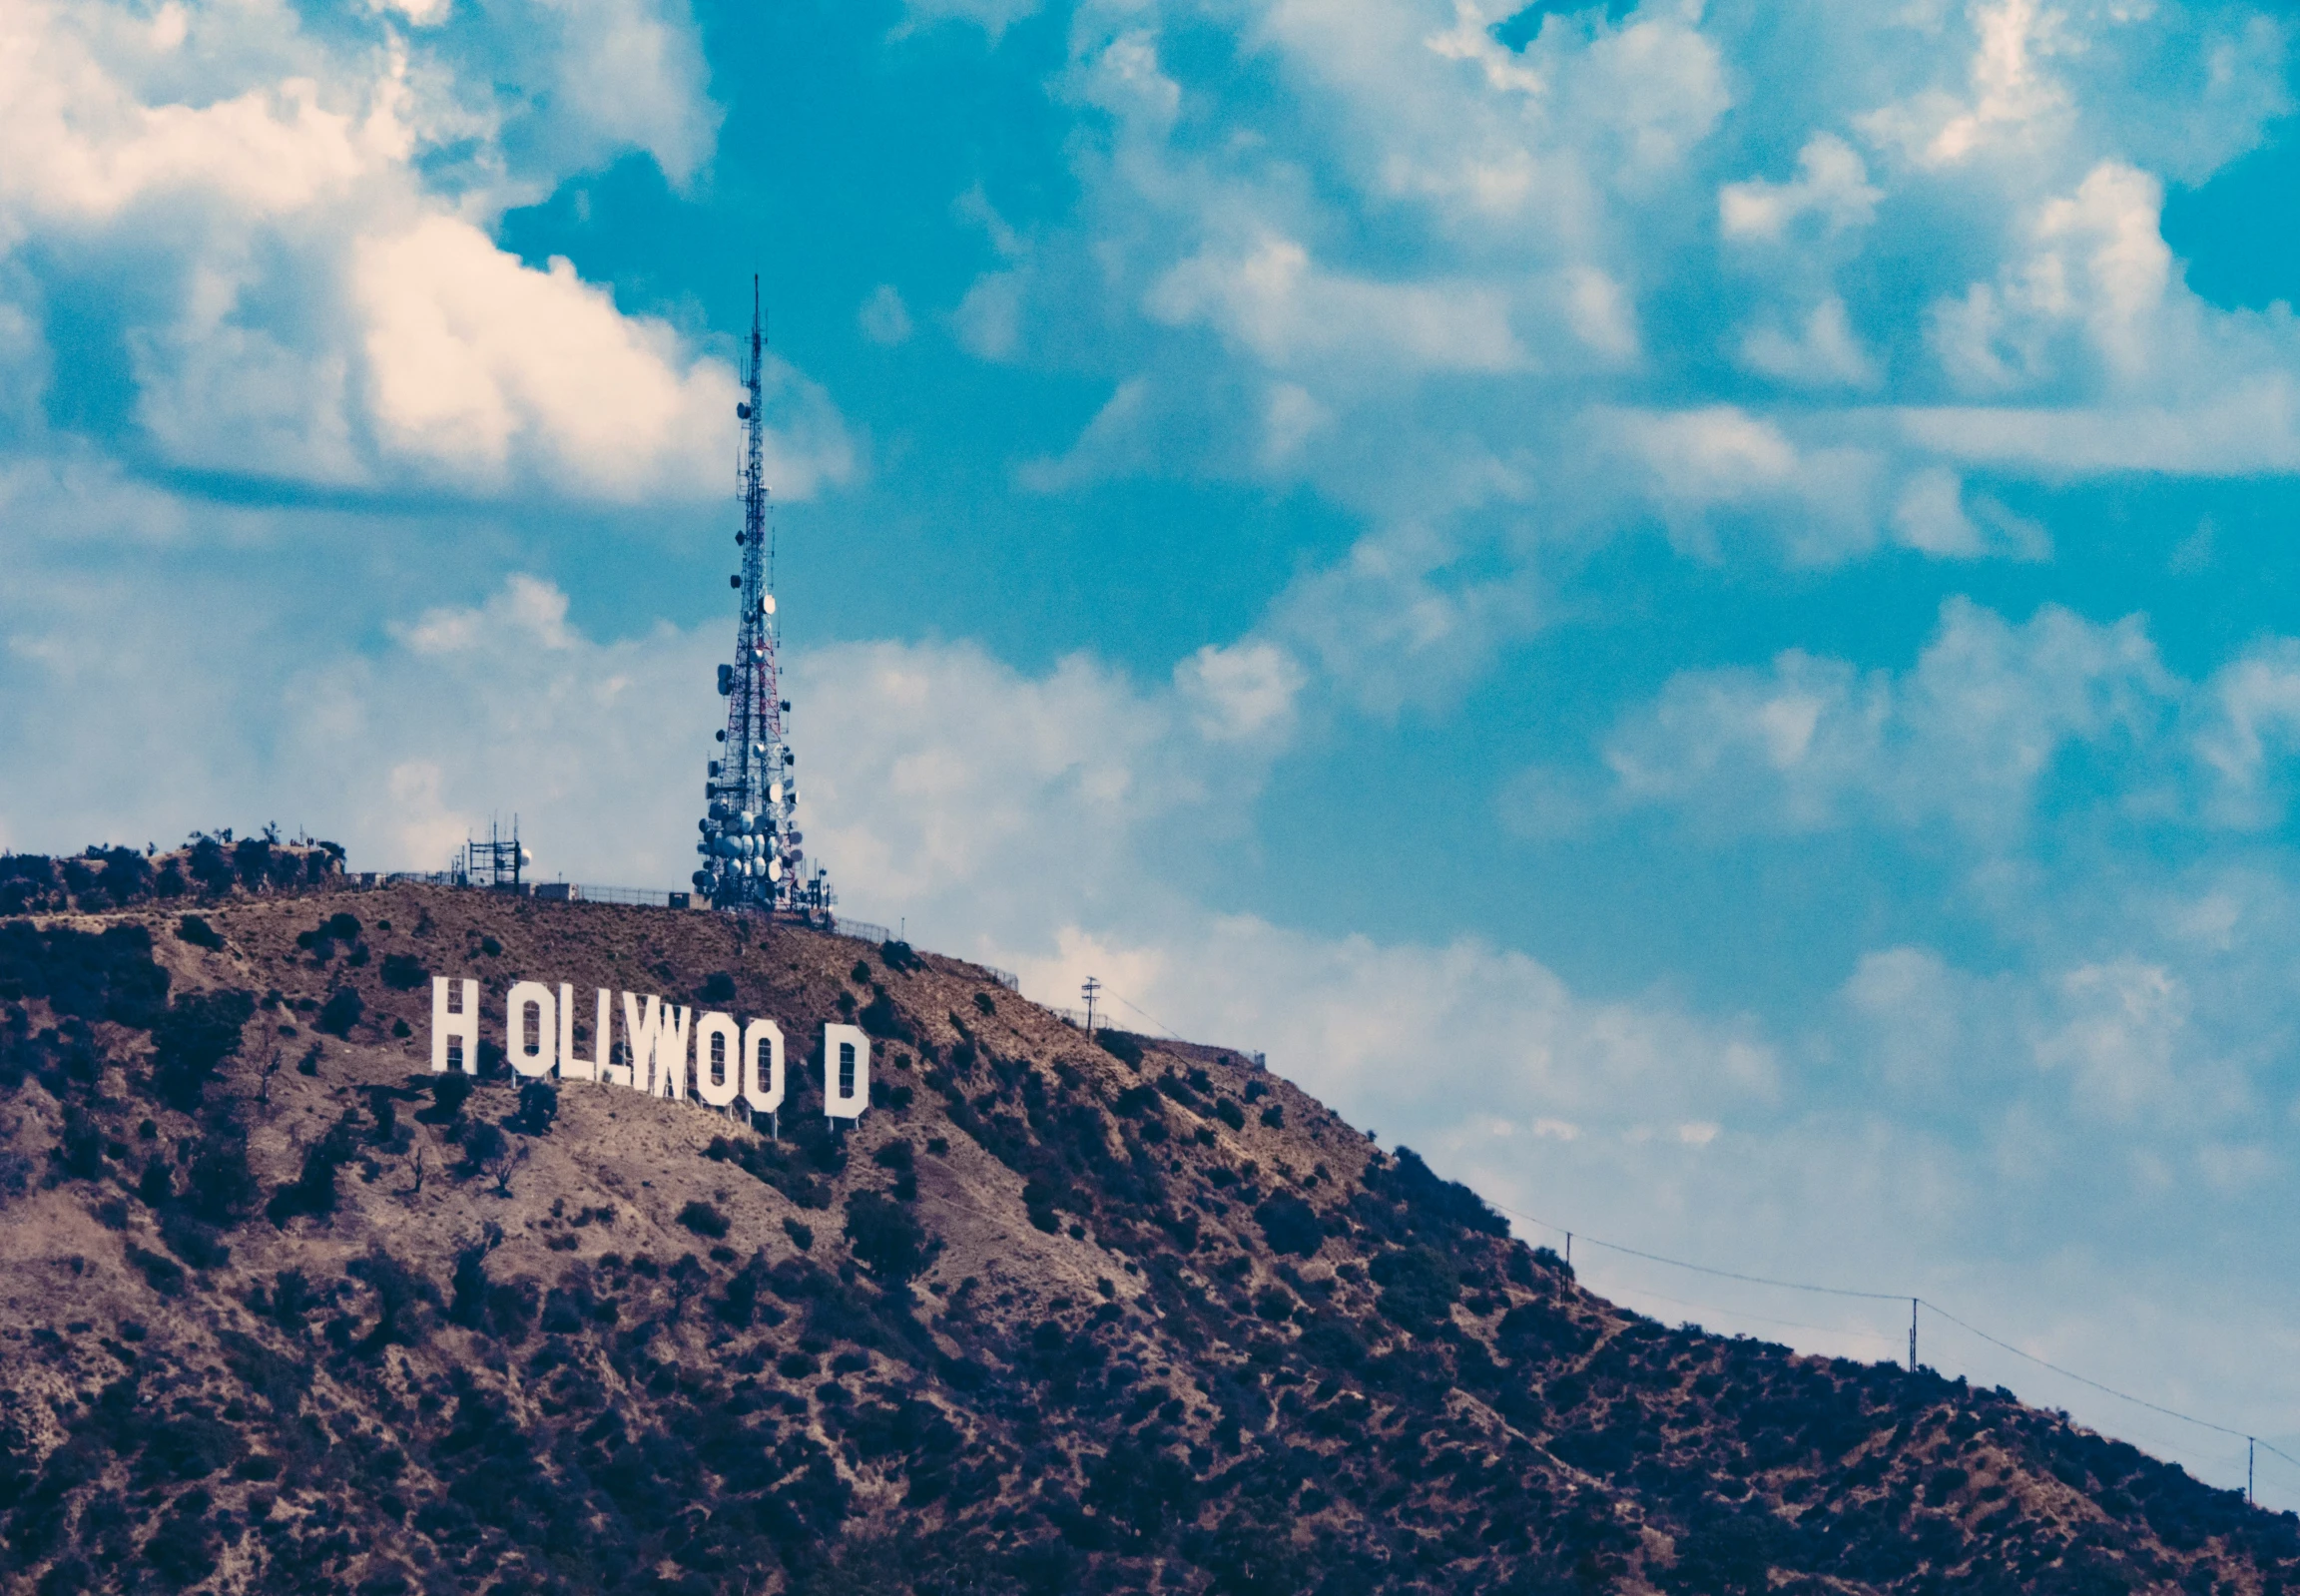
x=751, y=843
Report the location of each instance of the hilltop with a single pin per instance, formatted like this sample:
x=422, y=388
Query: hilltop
x=282, y=1311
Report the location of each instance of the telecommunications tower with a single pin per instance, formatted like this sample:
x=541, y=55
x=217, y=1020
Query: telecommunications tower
x=751, y=847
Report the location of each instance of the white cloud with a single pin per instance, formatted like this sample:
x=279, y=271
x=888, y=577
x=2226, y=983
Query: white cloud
x=1824, y=351
x=1656, y=86
x=318, y=298
x=79, y=146
x=1930, y=516
x=1472, y=39
x=629, y=74
x=884, y=318
x=993, y=17
x=2097, y=262
x=2009, y=98
x=1816, y=504
x=1291, y=417
x=1118, y=439
x=1488, y=1034
x=475, y=356
x=1271, y=299
x=2126, y=1025
x=529, y=612
x=2103, y=258
x=1241, y=692
x=1601, y=314
x=1832, y=184
x=2248, y=733
x=1393, y=623
x=1967, y=738
x=989, y=320
x=2250, y=425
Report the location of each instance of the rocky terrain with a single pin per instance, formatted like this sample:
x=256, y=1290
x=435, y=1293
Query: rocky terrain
x=282, y=1311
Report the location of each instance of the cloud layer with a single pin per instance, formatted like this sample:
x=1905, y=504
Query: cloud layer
x=1693, y=664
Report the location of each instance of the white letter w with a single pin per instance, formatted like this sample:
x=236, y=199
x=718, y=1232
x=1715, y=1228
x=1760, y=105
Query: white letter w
x=657, y=1032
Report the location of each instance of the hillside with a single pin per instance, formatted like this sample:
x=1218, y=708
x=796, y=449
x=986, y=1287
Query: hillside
x=282, y=1313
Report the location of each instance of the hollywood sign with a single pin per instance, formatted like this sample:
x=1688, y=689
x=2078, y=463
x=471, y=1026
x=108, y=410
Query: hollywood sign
x=730, y=1062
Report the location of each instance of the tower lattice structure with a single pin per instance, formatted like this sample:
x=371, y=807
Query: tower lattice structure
x=751, y=845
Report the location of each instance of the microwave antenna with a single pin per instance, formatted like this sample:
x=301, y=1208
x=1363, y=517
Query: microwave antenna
x=751, y=845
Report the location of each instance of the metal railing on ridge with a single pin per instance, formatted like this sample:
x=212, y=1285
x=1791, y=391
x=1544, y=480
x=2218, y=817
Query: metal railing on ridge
x=629, y=897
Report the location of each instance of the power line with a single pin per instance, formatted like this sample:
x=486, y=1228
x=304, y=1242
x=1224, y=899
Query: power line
x=2067, y=1373
x=1759, y=1318
x=1146, y=1015
x=1703, y=1268
x=2111, y=1391
x=1896, y=1297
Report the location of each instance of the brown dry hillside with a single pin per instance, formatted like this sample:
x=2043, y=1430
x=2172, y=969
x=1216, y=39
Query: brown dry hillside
x=281, y=1312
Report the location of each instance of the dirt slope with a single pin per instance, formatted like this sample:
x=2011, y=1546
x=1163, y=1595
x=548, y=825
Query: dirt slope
x=280, y=1314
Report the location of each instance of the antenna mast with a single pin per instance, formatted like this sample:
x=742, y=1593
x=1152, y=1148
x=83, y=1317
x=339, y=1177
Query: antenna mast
x=751, y=843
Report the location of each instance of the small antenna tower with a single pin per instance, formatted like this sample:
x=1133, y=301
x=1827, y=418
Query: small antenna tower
x=496, y=863
x=752, y=858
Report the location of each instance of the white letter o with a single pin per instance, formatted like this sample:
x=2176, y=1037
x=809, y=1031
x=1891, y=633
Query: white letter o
x=764, y=1097
x=522, y=997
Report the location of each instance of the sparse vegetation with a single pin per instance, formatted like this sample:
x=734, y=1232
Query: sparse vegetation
x=195, y=930
x=1198, y=1367
x=703, y=1220
x=403, y=972
x=340, y=1012
x=538, y=1108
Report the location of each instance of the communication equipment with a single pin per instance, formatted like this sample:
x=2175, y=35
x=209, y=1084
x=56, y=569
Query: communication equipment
x=497, y=863
x=751, y=855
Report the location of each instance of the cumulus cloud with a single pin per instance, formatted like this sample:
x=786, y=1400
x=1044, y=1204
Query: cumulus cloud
x=474, y=358
x=1400, y=620
x=318, y=297
x=1832, y=184
x=884, y=318
x=2247, y=734
x=1529, y=300
x=2098, y=263
x=1971, y=737
x=1930, y=515
x=1967, y=738
x=1271, y=299
x=1823, y=352
x=1721, y=467
x=1242, y=692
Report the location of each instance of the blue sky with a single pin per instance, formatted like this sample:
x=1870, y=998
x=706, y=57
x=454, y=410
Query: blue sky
x=1690, y=608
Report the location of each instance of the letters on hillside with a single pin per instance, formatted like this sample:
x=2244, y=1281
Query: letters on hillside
x=659, y=1041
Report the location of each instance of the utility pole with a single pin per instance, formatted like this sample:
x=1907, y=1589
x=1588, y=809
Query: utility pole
x=2249, y=1445
x=1091, y=989
x=1912, y=1334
